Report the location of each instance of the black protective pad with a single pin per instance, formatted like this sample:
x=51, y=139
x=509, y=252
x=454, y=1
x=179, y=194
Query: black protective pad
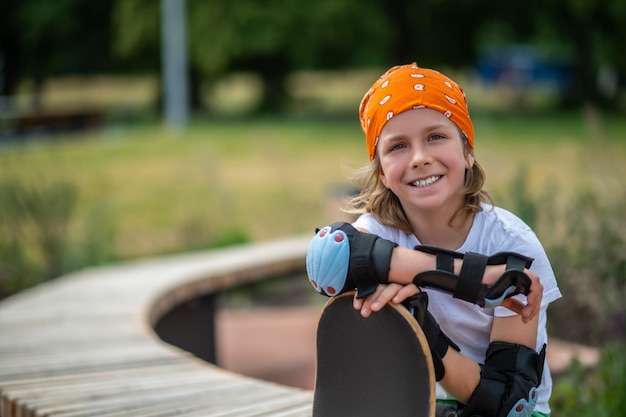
x=372, y=367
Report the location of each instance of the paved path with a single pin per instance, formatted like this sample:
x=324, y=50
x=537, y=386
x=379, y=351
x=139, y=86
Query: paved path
x=274, y=344
x=278, y=344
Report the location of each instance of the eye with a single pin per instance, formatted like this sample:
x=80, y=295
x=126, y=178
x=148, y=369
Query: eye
x=435, y=136
x=396, y=147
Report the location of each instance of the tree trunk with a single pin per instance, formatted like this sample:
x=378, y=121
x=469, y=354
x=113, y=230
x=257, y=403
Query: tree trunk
x=9, y=75
x=273, y=72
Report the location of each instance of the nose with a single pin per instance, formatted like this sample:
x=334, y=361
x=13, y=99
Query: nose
x=420, y=156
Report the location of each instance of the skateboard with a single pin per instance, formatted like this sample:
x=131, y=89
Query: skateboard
x=378, y=366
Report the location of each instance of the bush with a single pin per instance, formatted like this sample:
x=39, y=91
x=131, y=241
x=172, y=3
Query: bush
x=586, y=244
x=33, y=231
x=43, y=236
x=598, y=392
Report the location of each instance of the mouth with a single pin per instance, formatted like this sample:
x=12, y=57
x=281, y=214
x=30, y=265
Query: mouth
x=426, y=181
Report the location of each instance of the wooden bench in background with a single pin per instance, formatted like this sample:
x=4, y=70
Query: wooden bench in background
x=48, y=122
x=85, y=345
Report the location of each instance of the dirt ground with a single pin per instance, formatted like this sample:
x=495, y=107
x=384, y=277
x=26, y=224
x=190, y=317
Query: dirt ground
x=278, y=345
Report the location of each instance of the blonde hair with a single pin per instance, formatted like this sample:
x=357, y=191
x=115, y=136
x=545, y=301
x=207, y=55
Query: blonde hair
x=385, y=206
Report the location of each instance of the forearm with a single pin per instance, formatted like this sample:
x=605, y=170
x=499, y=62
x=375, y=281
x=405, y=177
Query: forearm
x=407, y=263
x=462, y=375
x=341, y=258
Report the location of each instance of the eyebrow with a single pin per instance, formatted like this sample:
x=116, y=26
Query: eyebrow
x=439, y=126
x=427, y=129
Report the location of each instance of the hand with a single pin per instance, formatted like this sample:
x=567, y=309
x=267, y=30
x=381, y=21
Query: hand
x=384, y=294
x=529, y=310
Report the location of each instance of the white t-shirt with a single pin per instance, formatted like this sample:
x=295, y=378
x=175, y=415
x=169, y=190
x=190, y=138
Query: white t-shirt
x=468, y=325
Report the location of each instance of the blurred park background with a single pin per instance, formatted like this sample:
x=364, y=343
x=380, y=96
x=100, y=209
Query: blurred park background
x=90, y=173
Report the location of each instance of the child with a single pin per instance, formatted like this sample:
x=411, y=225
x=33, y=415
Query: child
x=424, y=187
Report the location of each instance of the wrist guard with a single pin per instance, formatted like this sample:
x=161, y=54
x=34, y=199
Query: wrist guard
x=438, y=341
x=508, y=382
x=340, y=258
x=468, y=284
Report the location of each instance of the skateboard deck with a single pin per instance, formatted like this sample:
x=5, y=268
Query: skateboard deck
x=372, y=367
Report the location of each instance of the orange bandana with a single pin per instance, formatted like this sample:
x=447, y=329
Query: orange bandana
x=407, y=87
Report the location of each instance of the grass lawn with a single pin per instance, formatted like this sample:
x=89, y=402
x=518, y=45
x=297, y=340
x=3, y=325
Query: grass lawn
x=272, y=178
x=266, y=178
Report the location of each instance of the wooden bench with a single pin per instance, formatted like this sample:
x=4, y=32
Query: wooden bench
x=52, y=122
x=84, y=344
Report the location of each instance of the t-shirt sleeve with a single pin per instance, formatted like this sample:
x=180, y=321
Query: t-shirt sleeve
x=369, y=223
x=528, y=244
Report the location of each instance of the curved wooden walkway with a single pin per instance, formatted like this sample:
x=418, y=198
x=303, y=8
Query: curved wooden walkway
x=84, y=345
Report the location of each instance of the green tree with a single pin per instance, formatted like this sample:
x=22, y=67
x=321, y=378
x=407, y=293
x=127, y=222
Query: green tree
x=270, y=39
x=275, y=37
x=595, y=34
x=9, y=48
x=588, y=34
x=40, y=38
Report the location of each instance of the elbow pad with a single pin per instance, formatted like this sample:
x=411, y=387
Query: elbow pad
x=340, y=258
x=508, y=382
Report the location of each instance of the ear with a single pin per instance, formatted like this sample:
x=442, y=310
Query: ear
x=469, y=160
x=382, y=177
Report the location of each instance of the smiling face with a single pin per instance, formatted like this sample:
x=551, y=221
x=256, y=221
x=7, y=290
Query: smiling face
x=423, y=161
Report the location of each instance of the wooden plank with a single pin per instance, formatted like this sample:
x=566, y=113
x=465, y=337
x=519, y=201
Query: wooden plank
x=83, y=345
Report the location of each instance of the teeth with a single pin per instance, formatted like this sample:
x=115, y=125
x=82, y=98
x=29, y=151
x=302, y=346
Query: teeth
x=426, y=182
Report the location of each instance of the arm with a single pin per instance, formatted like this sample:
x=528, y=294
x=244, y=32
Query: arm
x=463, y=375
x=342, y=258
x=505, y=384
x=407, y=263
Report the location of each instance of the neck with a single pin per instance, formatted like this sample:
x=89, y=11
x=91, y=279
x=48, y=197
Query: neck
x=443, y=231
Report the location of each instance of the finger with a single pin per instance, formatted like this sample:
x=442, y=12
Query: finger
x=357, y=303
x=385, y=296
x=534, y=299
x=532, y=308
x=527, y=311
x=404, y=293
x=366, y=306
